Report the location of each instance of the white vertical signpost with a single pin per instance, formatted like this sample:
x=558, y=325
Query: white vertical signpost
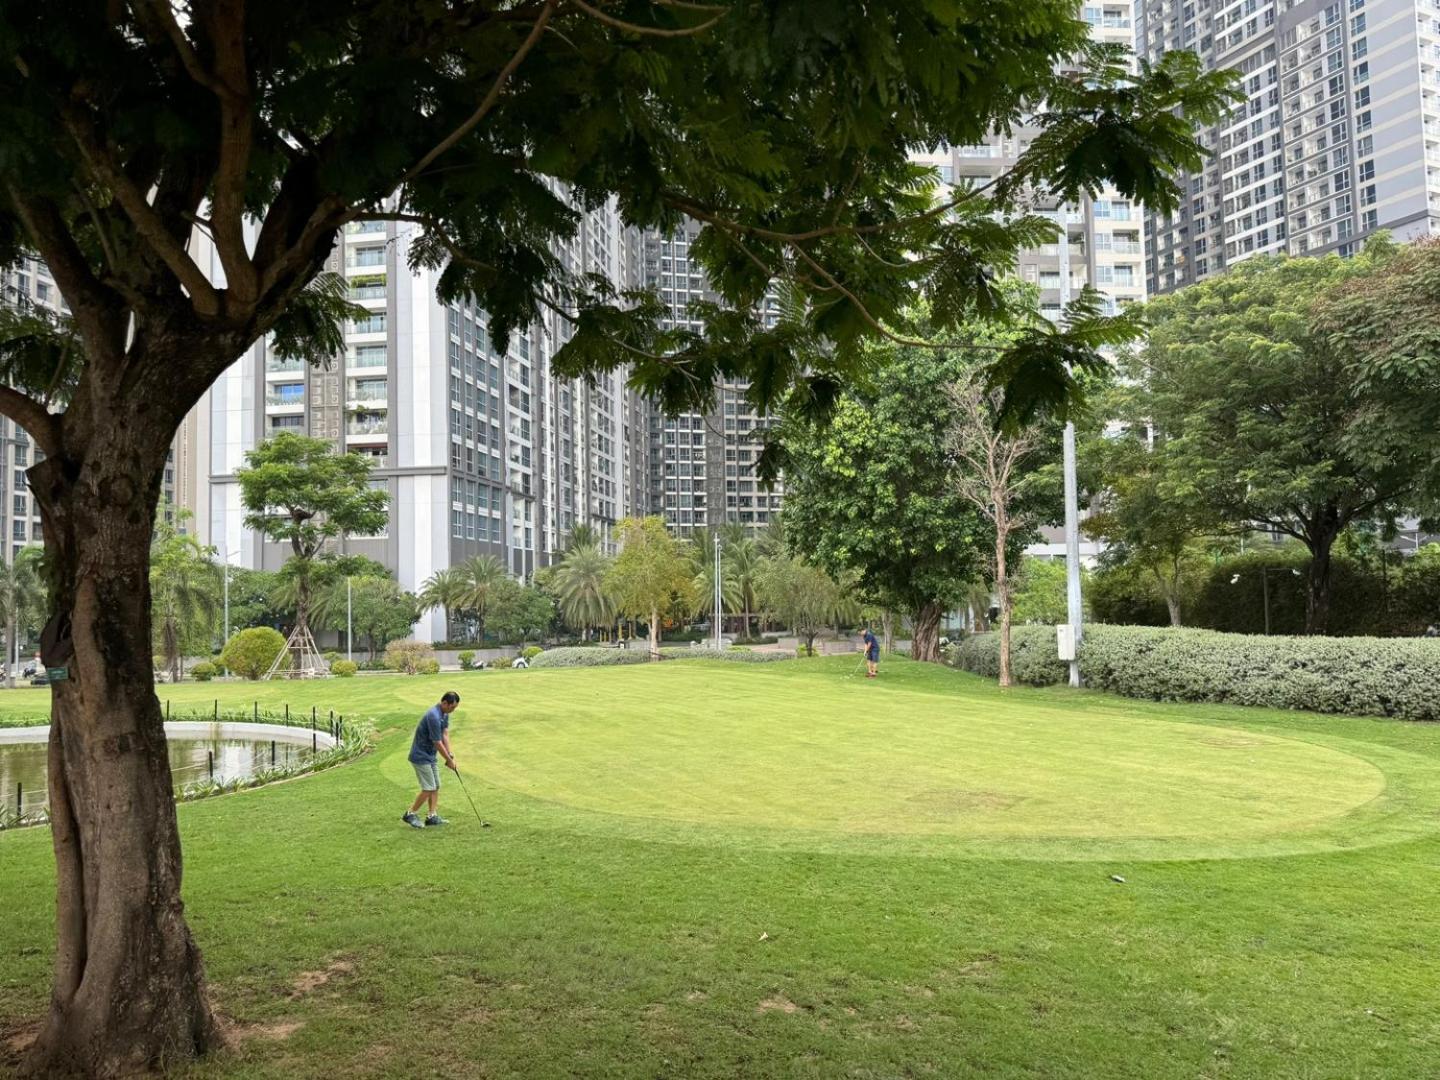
x=718, y=593
x=1071, y=633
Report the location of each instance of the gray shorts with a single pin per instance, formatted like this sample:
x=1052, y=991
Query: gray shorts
x=428, y=775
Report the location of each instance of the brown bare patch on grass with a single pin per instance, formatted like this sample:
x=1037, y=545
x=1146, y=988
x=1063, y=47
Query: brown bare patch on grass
x=778, y=1003
x=307, y=982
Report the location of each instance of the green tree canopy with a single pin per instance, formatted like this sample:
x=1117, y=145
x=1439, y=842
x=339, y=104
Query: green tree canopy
x=803, y=597
x=651, y=574
x=297, y=490
x=380, y=610
x=185, y=591
x=873, y=494
x=1274, y=421
x=520, y=612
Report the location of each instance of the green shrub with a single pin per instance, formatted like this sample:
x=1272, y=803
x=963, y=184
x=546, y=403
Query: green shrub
x=428, y=667
x=583, y=657
x=502, y=663
x=1032, y=655
x=467, y=660
x=345, y=669
x=408, y=656
x=1354, y=676
x=251, y=652
x=532, y=651
x=733, y=656
x=203, y=671
x=1126, y=595
x=331, y=656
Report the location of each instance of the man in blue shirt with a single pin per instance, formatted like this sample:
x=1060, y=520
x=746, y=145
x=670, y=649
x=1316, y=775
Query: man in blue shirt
x=872, y=652
x=432, y=736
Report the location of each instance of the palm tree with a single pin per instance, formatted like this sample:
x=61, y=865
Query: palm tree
x=744, y=568
x=704, y=560
x=443, y=589
x=183, y=592
x=581, y=586
x=582, y=536
x=23, y=597
x=478, y=578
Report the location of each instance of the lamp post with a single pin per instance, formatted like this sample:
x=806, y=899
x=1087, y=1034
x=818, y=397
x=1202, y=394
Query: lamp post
x=718, y=594
x=349, y=623
x=1074, y=611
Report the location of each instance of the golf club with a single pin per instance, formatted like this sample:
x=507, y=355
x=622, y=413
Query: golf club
x=857, y=668
x=483, y=823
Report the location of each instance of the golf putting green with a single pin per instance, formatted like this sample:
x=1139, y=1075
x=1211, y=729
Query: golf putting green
x=797, y=756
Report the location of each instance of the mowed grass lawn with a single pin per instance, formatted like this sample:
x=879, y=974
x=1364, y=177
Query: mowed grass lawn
x=768, y=871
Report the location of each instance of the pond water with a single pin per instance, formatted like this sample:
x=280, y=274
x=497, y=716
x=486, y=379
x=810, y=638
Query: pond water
x=192, y=759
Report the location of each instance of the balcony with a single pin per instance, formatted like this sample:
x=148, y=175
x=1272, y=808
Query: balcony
x=367, y=426
x=372, y=397
x=281, y=401
x=276, y=365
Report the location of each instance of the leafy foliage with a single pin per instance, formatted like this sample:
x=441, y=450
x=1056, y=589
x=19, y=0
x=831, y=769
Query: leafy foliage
x=408, y=656
x=651, y=574
x=251, y=652
x=872, y=494
x=1273, y=420
x=184, y=593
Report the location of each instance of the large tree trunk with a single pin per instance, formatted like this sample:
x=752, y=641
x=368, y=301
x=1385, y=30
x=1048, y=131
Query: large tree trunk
x=887, y=624
x=925, y=637
x=129, y=992
x=654, y=634
x=1317, y=595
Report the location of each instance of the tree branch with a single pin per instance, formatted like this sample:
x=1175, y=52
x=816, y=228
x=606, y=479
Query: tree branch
x=488, y=102
x=227, y=216
x=647, y=31
x=42, y=425
x=148, y=223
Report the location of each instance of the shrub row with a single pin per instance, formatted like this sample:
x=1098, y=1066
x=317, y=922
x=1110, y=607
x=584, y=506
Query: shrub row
x=1355, y=676
x=583, y=657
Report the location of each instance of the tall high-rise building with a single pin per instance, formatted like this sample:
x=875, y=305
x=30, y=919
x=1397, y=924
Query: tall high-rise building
x=29, y=286
x=481, y=451
x=1338, y=135
x=702, y=465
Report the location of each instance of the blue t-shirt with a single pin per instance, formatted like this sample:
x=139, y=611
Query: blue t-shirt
x=872, y=646
x=428, y=733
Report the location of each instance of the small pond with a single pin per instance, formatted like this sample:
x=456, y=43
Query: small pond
x=198, y=752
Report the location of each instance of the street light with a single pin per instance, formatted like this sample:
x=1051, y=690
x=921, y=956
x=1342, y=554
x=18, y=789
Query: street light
x=718, y=600
x=1074, y=611
x=349, y=624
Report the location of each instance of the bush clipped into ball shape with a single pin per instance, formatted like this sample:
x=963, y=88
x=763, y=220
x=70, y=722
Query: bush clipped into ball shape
x=251, y=652
x=531, y=652
x=345, y=669
x=428, y=667
x=467, y=660
x=407, y=656
x=203, y=671
x=500, y=663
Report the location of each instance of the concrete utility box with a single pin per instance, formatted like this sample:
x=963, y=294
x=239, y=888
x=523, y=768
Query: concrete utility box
x=1065, y=641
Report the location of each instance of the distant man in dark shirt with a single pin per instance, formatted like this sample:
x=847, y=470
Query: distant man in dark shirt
x=432, y=738
x=872, y=652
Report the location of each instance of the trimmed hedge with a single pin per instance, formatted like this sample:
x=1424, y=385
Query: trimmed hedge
x=1354, y=676
x=580, y=657
x=344, y=669
x=1032, y=654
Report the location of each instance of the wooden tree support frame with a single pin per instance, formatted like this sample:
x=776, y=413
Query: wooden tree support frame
x=303, y=657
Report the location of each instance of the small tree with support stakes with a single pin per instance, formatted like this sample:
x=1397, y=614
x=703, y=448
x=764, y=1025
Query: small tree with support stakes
x=299, y=490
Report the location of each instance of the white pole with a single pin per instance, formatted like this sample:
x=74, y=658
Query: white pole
x=1074, y=611
x=717, y=591
x=349, y=626
x=227, y=600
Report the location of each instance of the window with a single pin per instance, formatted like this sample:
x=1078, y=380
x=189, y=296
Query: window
x=19, y=530
x=370, y=356
x=1367, y=169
